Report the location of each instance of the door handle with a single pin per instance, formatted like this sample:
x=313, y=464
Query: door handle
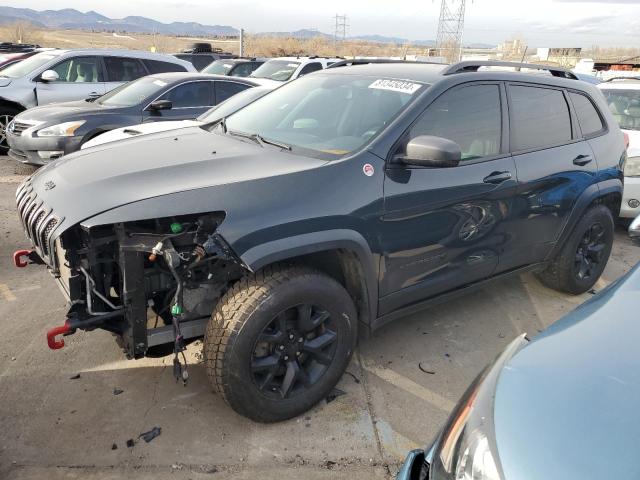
x=582, y=160
x=497, y=177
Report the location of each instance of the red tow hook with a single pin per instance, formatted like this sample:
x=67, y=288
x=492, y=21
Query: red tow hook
x=17, y=258
x=51, y=336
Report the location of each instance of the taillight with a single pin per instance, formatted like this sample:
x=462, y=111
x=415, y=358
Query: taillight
x=626, y=140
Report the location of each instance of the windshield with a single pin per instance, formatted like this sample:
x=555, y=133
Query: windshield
x=233, y=104
x=625, y=106
x=27, y=66
x=132, y=93
x=325, y=115
x=280, y=70
x=219, y=67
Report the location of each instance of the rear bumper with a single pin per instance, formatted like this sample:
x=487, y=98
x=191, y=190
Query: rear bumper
x=631, y=192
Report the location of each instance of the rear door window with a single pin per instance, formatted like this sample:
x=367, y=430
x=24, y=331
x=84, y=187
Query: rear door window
x=310, y=67
x=157, y=66
x=121, y=69
x=226, y=90
x=79, y=70
x=470, y=116
x=588, y=116
x=539, y=118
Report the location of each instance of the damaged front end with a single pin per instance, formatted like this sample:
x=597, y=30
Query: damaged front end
x=153, y=283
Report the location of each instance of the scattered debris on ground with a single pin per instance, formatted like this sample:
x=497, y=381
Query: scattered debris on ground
x=74, y=377
x=130, y=443
x=425, y=370
x=335, y=393
x=151, y=434
x=117, y=391
x=114, y=446
x=355, y=379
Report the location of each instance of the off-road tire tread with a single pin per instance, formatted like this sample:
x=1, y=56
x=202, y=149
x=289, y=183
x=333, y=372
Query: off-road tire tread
x=234, y=309
x=558, y=274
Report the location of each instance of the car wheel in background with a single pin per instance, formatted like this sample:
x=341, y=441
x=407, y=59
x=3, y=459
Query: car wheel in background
x=584, y=255
x=279, y=341
x=6, y=115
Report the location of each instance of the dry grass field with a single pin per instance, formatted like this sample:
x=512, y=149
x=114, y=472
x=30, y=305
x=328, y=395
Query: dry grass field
x=254, y=45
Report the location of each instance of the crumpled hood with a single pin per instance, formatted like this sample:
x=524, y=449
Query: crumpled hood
x=566, y=405
x=89, y=182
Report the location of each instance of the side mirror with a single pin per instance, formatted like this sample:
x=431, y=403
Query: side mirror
x=429, y=151
x=634, y=231
x=160, y=105
x=49, y=76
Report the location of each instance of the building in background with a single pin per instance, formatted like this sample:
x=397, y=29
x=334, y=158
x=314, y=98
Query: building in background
x=565, y=57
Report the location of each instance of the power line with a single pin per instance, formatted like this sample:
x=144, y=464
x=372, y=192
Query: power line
x=450, y=29
x=340, y=31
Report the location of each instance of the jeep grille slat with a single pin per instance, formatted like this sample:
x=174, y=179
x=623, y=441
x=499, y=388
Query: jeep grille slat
x=38, y=221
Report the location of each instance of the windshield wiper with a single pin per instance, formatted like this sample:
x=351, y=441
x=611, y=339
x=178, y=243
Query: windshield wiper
x=259, y=139
x=273, y=142
x=250, y=136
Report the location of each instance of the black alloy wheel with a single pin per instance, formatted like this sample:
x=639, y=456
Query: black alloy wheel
x=589, y=254
x=294, y=351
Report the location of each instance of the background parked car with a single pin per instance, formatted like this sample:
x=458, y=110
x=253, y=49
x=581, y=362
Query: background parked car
x=634, y=230
x=585, y=77
x=7, y=59
x=202, y=54
x=221, y=110
x=284, y=69
x=237, y=67
x=42, y=134
x=65, y=75
x=623, y=98
x=544, y=407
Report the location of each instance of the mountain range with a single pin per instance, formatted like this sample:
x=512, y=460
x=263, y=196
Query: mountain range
x=69, y=18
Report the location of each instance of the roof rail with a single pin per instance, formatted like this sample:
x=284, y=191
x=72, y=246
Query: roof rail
x=613, y=79
x=473, y=66
x=366, y=61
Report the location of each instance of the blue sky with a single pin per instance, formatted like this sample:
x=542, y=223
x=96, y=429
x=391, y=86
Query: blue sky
x=538, y=23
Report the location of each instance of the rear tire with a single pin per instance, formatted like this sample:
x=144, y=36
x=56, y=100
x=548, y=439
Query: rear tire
x=584, y=255
x=6, y=115
x=279, y=341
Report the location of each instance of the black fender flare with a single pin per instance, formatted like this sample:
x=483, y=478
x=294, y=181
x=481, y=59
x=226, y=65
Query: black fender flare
x=283, y=249
x=590, y=194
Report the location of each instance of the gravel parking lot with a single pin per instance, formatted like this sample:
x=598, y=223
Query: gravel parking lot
x=397, y=393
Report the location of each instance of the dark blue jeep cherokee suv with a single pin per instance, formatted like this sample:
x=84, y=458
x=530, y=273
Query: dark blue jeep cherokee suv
x=342, y=200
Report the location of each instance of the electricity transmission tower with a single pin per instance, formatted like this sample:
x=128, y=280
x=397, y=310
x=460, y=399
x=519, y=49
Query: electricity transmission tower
x=340, y=32
x=450, y=28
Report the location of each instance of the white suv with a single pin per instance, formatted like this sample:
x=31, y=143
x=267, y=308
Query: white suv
x=284, y=69
x=623, y=98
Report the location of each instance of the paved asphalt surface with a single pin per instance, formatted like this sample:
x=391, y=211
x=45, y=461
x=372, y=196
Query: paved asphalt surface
x=56, y=427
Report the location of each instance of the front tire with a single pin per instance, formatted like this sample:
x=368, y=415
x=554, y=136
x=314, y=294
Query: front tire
x=279, y=341
x=584, y=255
